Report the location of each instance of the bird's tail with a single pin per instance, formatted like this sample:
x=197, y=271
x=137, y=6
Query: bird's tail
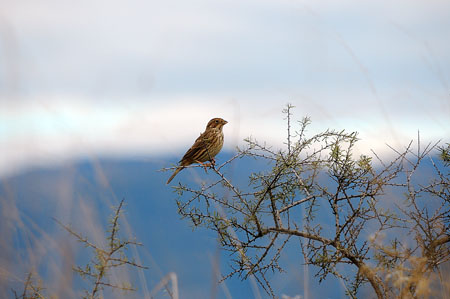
x=180, y=168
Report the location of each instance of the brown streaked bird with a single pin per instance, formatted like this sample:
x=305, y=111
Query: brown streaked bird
x=205, y=147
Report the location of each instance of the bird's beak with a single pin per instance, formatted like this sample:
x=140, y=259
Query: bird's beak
x=225, y=122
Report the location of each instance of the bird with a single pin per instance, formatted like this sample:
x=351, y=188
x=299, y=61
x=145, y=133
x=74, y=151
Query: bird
x=205, y=147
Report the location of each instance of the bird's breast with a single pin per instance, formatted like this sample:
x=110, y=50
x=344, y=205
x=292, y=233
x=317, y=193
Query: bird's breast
x=216, y=144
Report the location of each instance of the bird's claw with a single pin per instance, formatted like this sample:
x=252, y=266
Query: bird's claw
x=213, y=162
x=206, y=165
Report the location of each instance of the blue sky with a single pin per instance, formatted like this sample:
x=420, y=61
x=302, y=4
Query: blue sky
x=123, y=78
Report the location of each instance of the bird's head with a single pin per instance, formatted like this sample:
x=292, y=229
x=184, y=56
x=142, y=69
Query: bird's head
x=216, y=123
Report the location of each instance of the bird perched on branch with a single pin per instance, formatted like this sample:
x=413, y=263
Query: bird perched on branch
x=205, y=148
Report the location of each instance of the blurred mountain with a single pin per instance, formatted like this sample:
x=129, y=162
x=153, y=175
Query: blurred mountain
x=82, y=194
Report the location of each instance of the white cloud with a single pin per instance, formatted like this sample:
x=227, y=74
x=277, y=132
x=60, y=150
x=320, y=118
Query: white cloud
x=49, y=130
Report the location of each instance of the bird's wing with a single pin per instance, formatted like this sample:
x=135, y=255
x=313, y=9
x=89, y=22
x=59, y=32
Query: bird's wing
x=200, y=144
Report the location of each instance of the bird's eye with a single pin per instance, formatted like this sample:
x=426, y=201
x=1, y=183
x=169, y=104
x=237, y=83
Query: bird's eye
x=217, y=121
